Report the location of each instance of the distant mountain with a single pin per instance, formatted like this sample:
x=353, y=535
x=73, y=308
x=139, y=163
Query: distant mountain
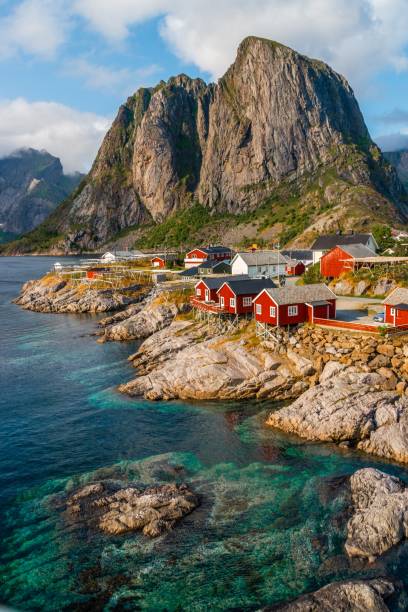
x=32, y=184
x=399, y=159
x=276, y=150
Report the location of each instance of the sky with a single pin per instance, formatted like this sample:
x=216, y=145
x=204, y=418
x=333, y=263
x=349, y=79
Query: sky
x=67, y=65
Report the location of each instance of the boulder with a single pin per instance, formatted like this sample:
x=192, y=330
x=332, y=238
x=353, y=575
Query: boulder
x=302, y=364
x=347, y=596
x=380, y=513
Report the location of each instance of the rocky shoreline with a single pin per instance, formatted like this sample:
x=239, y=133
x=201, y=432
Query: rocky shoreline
x=350, y=390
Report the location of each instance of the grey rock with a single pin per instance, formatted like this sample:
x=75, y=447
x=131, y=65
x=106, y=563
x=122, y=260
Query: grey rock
x=380, y=513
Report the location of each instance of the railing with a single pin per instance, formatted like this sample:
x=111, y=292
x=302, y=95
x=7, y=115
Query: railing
x=206, y=306
x=372, y=329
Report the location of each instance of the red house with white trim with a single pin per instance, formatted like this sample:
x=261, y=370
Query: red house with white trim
x=236, y=296
x=295, y=267
x=201, y=254
x=206, y=288
x=396, y=308
x=294, y=304
x=342, y=259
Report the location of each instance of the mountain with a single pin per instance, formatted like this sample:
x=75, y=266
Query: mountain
x=32, y=184
x=277, y=149
x=399, y=159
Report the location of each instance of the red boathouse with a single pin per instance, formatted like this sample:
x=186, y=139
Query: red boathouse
x=294, y=304
x=341, y=259
x=236, y=296
x=396, y=308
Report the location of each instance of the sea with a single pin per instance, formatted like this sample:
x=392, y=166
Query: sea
x=272, y=520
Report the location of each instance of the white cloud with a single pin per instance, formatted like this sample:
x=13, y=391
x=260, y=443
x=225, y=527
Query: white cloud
x=357, y=37
x=393, y=142
x=72, y=135
x=37, y=27
x=121, y=81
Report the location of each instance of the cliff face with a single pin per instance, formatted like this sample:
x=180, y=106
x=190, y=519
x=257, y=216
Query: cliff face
x=276, y=120
x=399, y=159
x=32, y=184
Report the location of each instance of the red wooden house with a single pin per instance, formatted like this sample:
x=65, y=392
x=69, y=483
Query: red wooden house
x=343, y=258
x=158, y=262
x=294, y=304
x=201, y=254
x=295, y=267
x=206, y=289
x=396, y=308
x=236, y=296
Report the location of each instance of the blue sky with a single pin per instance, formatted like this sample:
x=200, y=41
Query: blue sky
x=66, y=65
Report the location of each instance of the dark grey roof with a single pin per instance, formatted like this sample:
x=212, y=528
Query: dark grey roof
x=189, y=271
x=217, y=281
x=401, y=306
x=211, y=264
x=357, y=250
x=295, y=294
x=213, y=249
x=250, y=286
x=298, y=254
x=325, y=243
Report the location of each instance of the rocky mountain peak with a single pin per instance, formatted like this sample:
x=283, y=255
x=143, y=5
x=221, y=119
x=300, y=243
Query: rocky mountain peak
x=277, y=126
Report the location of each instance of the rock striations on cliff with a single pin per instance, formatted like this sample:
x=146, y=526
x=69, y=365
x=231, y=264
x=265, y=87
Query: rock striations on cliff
x=276, y=125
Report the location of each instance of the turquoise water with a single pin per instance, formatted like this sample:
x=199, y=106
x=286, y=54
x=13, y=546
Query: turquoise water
x=271, y=524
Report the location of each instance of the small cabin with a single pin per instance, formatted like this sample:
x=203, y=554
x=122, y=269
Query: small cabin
x=341, y=259
x=161, y=261
x=292, y=305
x=236, y=296
x=396, y=308
x=295, y=267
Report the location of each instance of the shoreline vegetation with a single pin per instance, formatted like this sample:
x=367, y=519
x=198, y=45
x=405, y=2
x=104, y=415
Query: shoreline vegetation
x=351, y=390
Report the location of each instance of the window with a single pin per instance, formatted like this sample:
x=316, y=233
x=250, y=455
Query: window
x=292, y=311
x=198, y=291
x=207, y=295
x=246, y=301
x=259, y=309
x=393, y=312
x=222, y=302
x=272, y=311
x=232, y=302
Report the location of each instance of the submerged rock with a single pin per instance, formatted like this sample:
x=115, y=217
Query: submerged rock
x=347, y=596
x=380, y=516
x=153, y=510
x=350, y=406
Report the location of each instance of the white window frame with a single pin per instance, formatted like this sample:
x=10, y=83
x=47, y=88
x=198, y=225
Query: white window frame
x=258, y=309
x=246, y=301
x=222, y=301
x=293, y=310
x=207, y=295
x=272, y=311
x=198, y=292
x=392, y=312
x=232, y=302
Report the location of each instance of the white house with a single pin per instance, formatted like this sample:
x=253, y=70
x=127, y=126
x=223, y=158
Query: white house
x=325, y=243
x=259, y=264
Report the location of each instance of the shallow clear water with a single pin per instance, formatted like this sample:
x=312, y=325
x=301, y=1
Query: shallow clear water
x=271, y=523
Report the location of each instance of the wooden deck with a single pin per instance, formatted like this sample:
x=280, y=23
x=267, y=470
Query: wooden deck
x=360, y=327
x=211, y=307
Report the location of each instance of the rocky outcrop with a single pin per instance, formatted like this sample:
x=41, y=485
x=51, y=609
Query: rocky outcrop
x=32, y=184
x=153, y=317
x=152, y=510
x=182, y=362
x=51, y=294
x=350, y=407
x=276, y=124
x=399, y=159
x=380, y=513
x=347, y=596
